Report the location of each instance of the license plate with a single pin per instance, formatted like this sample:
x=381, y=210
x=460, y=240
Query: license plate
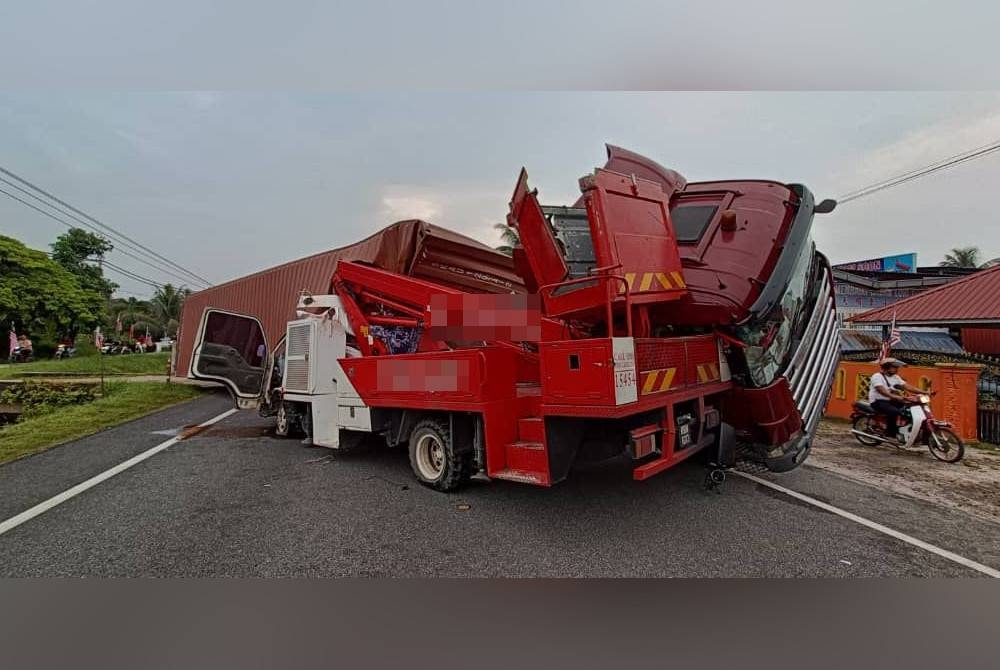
x=685, y=433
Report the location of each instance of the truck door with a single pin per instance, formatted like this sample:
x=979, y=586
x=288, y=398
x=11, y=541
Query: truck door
x=231, y=348
x=631, y=230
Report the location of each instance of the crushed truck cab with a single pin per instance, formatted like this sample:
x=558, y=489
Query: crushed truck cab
x=656, y=319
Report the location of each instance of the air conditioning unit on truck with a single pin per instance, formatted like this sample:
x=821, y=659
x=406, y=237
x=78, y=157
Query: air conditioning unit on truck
x=657, y=318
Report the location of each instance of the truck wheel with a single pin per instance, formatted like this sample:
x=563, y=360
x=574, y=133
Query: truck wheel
x=283, y=420
x=433, y=457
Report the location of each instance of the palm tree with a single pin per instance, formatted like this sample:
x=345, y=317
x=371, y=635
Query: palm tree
x=165, y=307
x=961, y=257
x=508, y=238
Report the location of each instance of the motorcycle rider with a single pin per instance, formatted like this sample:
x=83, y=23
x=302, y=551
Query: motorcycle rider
x=886, y=394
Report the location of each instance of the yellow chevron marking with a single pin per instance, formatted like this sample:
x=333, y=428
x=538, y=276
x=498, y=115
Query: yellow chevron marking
x=702, y=377
x=629, y=279
x=647, y=280
x=664, y=282
x=650, y=381
x=714, y=370
x=678, y=279
x=668, y=378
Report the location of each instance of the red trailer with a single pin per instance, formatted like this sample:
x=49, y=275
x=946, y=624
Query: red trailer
x=653, y=317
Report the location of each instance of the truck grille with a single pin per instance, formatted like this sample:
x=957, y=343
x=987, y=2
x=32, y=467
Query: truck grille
x=810, y=372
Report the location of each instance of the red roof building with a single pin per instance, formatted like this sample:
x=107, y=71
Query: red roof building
x=970, y=301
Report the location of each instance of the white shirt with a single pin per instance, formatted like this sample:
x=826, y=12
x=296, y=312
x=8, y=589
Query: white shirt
x=880, y=379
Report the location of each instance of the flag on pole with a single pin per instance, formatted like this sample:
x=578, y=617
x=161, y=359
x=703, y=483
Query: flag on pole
x=13, y=341
x=894, y=337
x=131, y=332
x=118, y=324
x=891, y=339
x=98, y=338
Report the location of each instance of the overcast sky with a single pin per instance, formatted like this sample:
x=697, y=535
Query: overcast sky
x=230, y=183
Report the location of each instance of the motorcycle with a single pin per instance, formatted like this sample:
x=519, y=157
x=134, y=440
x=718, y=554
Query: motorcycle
x=21, y=355
x=919, y=426
x=62, y=351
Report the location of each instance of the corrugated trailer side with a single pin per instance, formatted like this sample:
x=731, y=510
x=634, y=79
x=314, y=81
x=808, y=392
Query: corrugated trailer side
x=981, y=340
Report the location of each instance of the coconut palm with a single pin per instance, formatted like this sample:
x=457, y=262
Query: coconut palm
x=165, y=307
x=508, y=238
x=961, y=257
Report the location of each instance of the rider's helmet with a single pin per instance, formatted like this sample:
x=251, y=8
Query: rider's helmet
x=892, y=363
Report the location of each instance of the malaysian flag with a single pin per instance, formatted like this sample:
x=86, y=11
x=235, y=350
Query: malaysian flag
x=892, y=339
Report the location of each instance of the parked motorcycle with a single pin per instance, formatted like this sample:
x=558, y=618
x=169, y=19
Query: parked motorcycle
x=62, y=351
x=919, y=426
x=22, y=355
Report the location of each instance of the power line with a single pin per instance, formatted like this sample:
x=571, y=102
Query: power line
x=942, y=164
x=91, y=227
x=131, y=275
x=104, y=226
x=123, y=271
x=69, y=225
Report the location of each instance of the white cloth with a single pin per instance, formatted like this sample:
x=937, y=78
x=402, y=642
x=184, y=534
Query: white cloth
x=879, y=379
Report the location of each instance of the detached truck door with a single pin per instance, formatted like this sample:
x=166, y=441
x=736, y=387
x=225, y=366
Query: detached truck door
x=231, y=348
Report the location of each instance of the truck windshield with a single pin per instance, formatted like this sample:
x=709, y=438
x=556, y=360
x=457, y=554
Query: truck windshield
x=770, y=338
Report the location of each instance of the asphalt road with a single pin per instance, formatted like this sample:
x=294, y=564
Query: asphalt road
x=235, y=501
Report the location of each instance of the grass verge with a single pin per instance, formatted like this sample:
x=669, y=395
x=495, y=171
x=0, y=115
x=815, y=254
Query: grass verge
x=122, y=401
x=130, y=364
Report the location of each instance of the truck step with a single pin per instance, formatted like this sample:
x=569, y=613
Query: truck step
x=531, y=429
x=522, y=476
x=527, y=456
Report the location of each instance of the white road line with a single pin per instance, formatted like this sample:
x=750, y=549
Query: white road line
x=43, y=507
x=944, y=553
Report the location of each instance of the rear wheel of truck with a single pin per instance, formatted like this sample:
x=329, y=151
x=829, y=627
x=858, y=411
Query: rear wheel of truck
x=433, y=457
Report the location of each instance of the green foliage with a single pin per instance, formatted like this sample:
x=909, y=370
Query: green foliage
x=37, y=399
x=76, y=250
x=165, y=307
x=128, y=364
x=122, y=401
x=41, y=297
x=961, y=257
x=508, y=238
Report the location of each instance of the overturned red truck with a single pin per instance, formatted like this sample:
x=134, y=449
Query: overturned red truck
x=653, y=317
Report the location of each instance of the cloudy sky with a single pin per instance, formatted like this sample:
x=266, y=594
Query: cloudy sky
x=229, y=183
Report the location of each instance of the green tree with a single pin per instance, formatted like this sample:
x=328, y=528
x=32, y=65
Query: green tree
x=508, y=238
x=77, y=250
x=165, y=307
x=42, y=297
x=961, y=257
x=133, y=313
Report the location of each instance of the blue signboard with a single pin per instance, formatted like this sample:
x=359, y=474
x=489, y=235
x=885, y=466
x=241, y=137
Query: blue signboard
x=898, y=263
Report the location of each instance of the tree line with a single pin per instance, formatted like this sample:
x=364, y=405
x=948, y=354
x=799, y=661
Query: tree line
x=56, y=296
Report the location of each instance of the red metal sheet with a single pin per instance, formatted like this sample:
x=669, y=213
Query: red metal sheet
x=974, y=299
x=981, y=340
x=409, y=247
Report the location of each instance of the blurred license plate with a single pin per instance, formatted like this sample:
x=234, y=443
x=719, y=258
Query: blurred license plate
x=685, y=433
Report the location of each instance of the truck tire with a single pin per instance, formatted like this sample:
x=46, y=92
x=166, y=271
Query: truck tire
x=433, y=458
x=284, y=420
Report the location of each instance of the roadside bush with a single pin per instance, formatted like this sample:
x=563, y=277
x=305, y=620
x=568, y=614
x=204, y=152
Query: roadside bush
x=85, y=347
x=37, y=399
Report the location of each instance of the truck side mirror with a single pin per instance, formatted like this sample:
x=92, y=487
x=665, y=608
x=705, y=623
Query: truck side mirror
x=825, y=207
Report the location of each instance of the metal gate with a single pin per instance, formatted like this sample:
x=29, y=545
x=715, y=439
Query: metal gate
x=988, y=422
